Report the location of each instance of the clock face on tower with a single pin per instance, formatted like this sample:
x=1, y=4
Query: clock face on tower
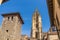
x=58, y=2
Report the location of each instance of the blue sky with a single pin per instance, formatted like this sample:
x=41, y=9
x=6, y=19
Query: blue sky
x=26, y=9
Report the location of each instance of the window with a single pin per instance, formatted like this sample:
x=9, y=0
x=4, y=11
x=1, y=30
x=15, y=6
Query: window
x=8, y=39
x=12, y=17
x=6, y=30
x=8, y=18
x=37, y=19
x=36, y=34
x=37, y=26
x=28, y=39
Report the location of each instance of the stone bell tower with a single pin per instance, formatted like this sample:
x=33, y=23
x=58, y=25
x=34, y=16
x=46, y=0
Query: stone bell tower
x=36, y=26
x=11, y=26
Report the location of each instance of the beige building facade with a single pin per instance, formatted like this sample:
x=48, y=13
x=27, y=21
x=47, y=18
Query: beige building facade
x=11, y=26
x=52, y=36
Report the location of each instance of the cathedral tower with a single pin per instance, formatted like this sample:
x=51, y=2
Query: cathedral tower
x=36, y=26
x=11, y=26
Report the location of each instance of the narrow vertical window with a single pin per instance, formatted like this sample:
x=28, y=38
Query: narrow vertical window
x=7, y=38
x=37, y=27
x=12, y=17
x=36, y=35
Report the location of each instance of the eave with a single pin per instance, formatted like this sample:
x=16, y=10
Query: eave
x=51, y=11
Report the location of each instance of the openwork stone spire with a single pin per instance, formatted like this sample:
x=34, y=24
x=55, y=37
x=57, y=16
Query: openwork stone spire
x=36, y=26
